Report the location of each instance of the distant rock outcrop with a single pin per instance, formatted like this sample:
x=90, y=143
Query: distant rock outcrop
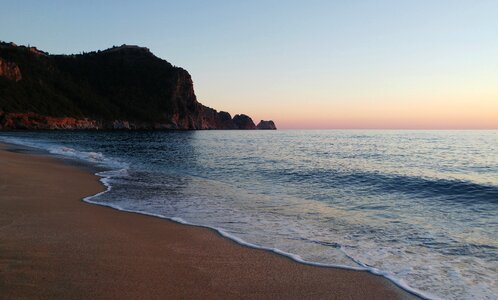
x=125, y=88
x=266, y=125
x=243, y=122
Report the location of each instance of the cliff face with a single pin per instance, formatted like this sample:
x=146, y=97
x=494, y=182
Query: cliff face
x=123, y=87
x=35, y=121
x=9, y=70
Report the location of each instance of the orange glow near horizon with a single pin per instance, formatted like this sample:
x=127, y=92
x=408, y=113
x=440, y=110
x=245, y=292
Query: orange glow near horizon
x=425, y=98
x=465, y=107
x=436, y=116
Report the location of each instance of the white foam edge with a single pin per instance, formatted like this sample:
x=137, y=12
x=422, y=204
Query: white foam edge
x=104, y=178
x=95, y=158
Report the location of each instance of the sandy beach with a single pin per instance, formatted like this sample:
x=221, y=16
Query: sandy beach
x=54, y=246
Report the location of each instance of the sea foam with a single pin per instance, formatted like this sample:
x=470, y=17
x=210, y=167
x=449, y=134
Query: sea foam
x=393, y=204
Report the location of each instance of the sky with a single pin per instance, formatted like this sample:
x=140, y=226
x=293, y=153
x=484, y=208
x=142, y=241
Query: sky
x=304, y=64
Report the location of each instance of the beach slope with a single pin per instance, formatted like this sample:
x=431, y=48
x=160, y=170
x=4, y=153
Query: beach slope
x=53, y=245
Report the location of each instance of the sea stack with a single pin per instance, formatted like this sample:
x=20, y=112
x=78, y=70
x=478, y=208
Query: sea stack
x=266, y=125
x=243, y=122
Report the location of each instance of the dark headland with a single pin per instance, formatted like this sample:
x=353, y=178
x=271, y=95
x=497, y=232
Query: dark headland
x=125, y=87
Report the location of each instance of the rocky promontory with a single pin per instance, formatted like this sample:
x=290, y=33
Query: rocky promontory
x=125, y=87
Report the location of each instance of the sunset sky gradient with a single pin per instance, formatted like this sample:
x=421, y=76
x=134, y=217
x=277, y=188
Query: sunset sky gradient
x=304, y=64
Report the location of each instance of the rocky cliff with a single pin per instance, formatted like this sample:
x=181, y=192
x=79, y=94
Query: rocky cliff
x=124, y=87
x=243, y=122
x=266, y=125
x=9, y=70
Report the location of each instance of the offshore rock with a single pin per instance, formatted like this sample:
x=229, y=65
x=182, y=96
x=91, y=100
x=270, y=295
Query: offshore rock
x=266, y=125
x=243, y=122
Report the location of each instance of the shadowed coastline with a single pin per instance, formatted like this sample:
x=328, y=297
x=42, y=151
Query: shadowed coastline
x=121, y=88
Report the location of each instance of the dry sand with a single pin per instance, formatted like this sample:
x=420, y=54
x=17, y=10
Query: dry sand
x=53, y=245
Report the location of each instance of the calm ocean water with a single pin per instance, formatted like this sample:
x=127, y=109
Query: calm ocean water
x=419, y=207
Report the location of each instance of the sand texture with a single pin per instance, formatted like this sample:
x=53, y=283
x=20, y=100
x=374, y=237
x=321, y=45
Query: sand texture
x=54, y=246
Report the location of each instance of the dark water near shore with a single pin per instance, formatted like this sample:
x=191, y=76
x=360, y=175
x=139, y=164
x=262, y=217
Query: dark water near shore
x=419, y=207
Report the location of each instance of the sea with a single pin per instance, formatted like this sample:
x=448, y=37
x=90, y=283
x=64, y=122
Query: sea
x=417, y=207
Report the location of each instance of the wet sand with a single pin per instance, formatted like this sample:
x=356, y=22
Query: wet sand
x=54, y=246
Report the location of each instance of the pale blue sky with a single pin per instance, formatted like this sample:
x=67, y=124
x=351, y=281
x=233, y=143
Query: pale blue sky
x=303, y=63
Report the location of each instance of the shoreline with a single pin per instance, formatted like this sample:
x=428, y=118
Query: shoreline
x=222, y=234
x=44, y=259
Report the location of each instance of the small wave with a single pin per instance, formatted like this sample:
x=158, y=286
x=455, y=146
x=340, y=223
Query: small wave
x=95, y=158
x=440, y=188
x=364, y=181
x=106, y=177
